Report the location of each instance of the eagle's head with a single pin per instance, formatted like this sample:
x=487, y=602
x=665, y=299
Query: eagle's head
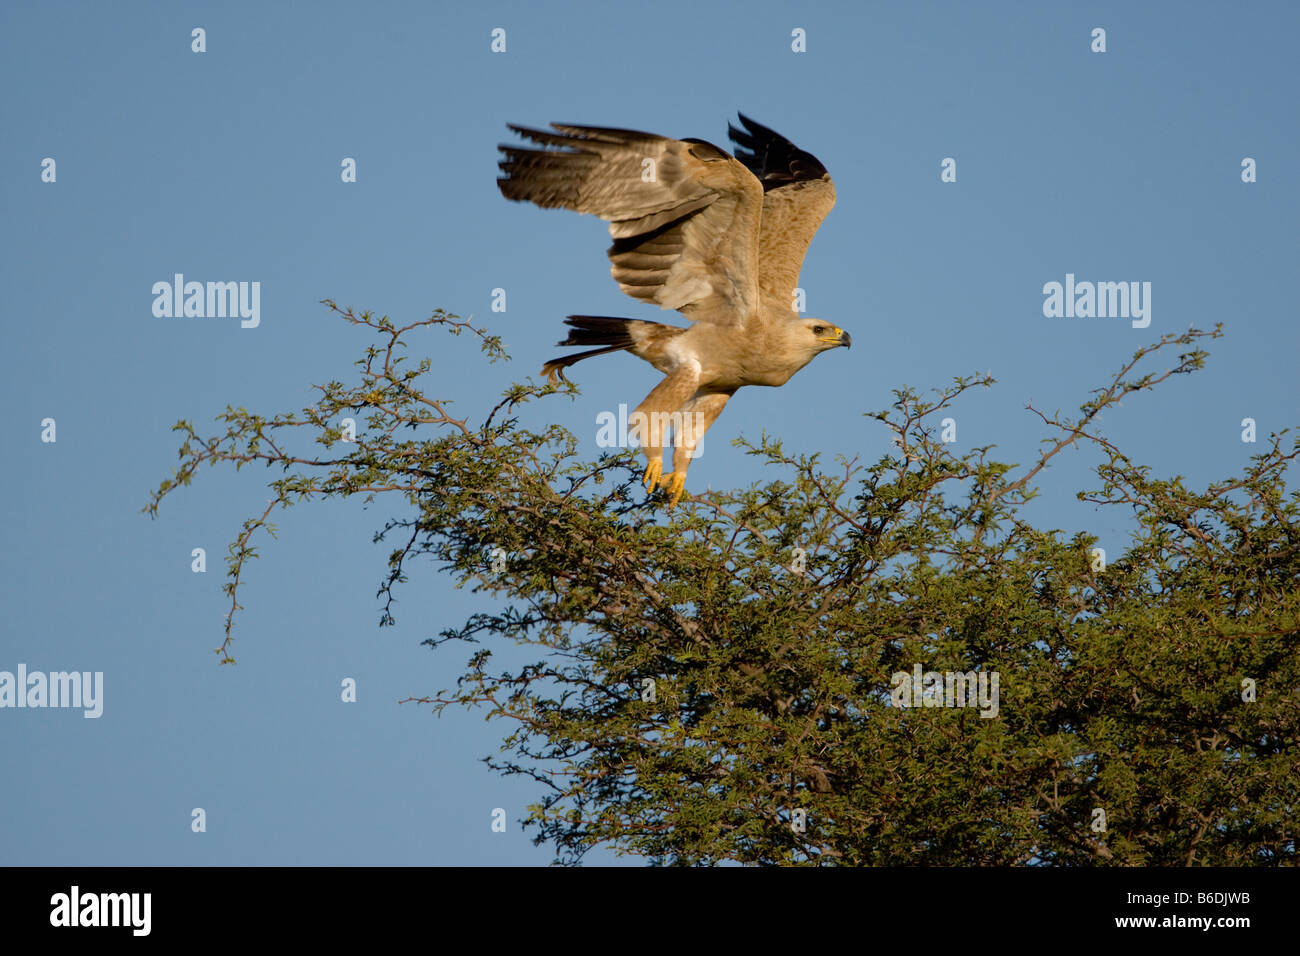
x=822, y=335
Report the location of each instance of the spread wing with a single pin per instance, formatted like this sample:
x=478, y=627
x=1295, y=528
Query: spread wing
x=684, y=215
x=797, y=195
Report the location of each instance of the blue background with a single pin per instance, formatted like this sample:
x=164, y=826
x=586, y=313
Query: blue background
x=225, y=166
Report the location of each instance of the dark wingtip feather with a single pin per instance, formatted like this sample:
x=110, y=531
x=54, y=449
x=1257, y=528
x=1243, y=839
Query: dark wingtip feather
x=771, y=157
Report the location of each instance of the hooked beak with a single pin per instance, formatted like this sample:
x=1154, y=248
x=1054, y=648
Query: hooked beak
x=837, y=337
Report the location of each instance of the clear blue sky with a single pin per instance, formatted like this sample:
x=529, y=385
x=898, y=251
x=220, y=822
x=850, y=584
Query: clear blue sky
x=1122, y=166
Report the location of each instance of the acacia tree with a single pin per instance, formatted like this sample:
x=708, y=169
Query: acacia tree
x=720, y=682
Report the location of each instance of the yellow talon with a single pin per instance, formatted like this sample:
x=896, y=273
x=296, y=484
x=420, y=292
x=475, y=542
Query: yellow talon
x=652, y=475
x=675, y=484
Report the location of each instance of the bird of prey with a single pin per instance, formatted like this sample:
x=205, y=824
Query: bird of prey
x=721, y=239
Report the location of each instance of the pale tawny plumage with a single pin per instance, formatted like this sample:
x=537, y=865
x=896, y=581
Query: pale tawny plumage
x=721, y=239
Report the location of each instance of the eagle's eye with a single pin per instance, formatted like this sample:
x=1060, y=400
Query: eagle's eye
x=819, y=330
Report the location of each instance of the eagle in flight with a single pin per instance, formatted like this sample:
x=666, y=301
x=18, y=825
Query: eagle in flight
x=721, y=239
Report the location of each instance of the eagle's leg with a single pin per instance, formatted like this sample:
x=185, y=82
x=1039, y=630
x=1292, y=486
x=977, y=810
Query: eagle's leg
x=649, y=422
x=653, y=471
x=674, y=484
x=697, y=415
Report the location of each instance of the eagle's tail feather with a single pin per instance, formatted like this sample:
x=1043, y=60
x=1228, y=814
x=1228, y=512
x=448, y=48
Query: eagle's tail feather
x=599, y=330
x=612, y=333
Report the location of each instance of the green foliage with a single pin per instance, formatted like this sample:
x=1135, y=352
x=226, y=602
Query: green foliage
x=772, y=619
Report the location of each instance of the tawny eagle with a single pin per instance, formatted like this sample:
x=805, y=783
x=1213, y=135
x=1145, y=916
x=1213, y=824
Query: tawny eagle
x=721, y=239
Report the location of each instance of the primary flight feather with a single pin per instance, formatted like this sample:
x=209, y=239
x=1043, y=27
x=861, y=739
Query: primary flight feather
x=721, y=239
